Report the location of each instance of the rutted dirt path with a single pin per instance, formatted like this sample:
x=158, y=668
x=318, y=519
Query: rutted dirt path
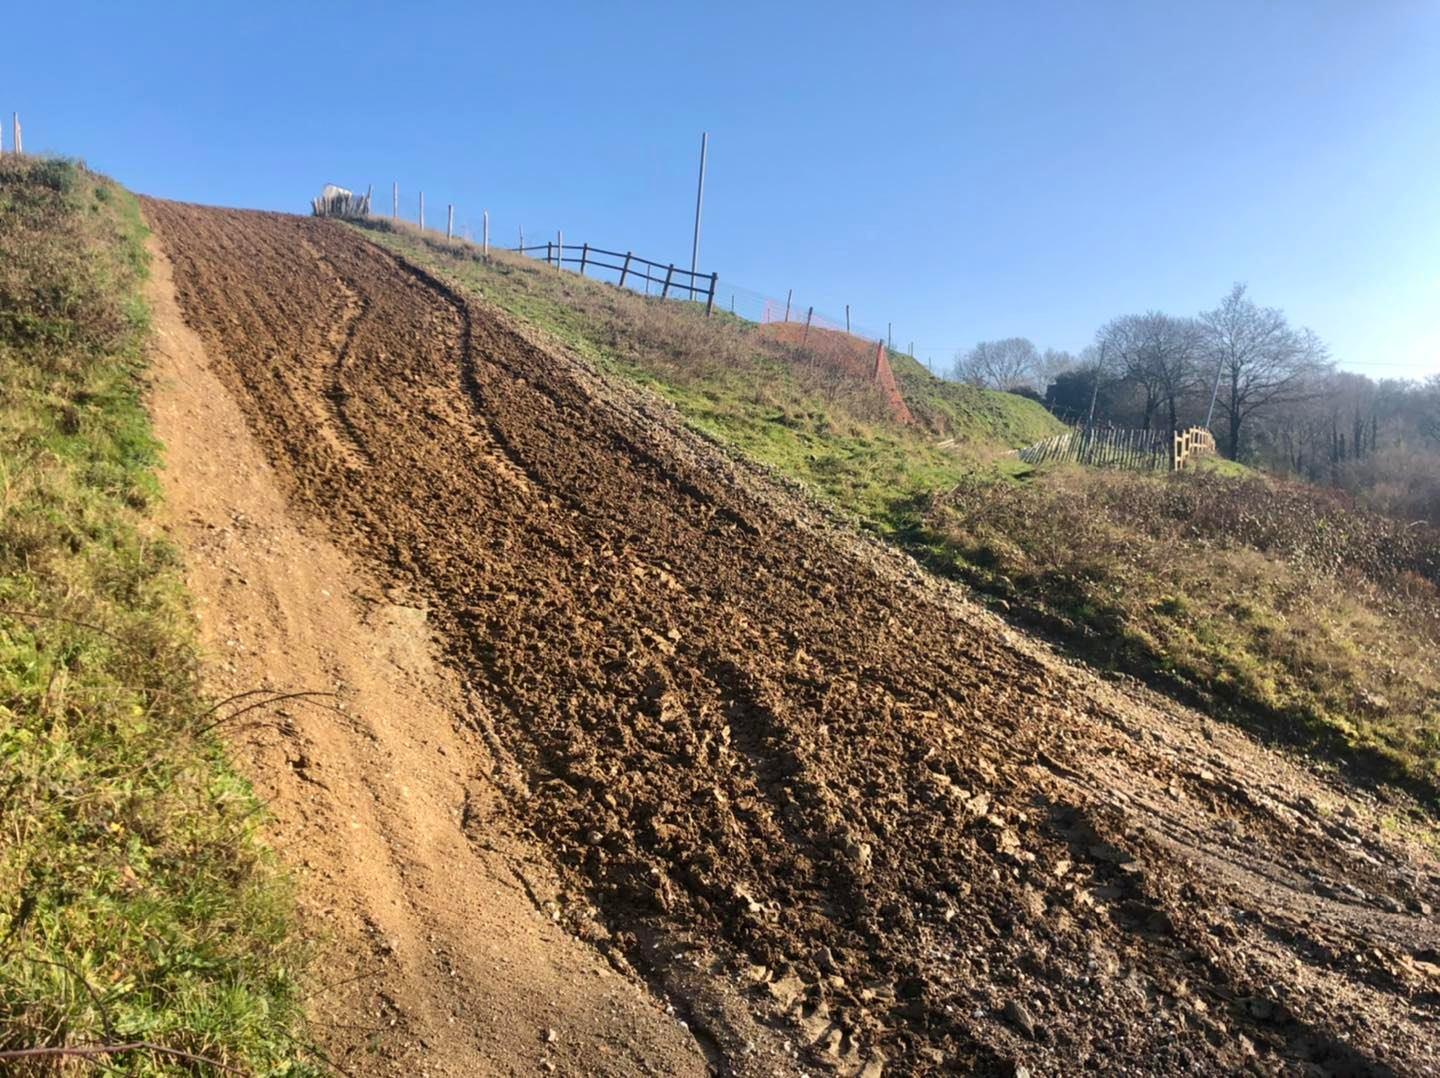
x=372, y=799
x=781, y=772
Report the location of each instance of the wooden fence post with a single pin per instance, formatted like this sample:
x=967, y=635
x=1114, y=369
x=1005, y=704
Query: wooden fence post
x=584, y=256
x=422, y=211
x=548, y=245
x=485, y=227
x=806, y=335
x=710, y=303
x=16, y=147
x=787, y=303
x=625, y=269
x=847, y=318
x=395, y=200
x=521, y=248
x=449, y=221
x=666, y=290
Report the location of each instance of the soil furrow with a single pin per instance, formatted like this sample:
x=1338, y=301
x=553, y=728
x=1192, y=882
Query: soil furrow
x=764, y=750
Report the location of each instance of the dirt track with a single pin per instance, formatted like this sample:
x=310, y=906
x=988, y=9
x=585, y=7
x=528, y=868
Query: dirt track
x=785, y=775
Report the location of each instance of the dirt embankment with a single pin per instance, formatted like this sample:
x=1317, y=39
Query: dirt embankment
x=779, y=771
x=373, y=793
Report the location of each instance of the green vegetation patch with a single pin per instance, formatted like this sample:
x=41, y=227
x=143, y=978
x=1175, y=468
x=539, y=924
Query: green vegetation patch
x=1274, y=604
x=136, y=903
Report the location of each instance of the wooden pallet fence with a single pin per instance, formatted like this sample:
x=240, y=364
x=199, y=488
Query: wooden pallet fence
x=631, y=268
x=1137, y=450
x=1197, y=441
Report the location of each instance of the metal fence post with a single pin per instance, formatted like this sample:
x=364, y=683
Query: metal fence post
x=666, y=290
x=710, y=303
x=625, y=269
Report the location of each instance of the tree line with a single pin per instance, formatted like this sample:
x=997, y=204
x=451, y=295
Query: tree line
x=1267, y=389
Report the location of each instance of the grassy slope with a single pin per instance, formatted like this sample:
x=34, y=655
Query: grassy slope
x=1277, y=605
x=135, y=901
x=1331, y=653
x=730, y=382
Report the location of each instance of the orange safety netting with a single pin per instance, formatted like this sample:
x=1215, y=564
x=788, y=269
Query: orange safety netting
x=852, y=356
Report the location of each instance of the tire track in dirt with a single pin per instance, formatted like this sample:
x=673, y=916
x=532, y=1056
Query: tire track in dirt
x=376, y=802
x=788, y=777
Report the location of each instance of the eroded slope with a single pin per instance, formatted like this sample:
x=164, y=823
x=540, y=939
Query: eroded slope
x=785, y=774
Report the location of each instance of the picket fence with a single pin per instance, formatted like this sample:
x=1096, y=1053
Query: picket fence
x=1139, y=450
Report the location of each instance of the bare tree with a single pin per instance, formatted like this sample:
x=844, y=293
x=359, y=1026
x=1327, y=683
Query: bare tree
x=1261, y=363
x=1157, y=353
x=1053, y=363
x=1008, y=364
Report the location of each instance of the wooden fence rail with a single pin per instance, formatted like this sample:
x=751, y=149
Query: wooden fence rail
x=1140, y=450
x=631, y=267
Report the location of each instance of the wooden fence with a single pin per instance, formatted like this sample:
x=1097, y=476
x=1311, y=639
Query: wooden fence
x=631, y=268
x=1140, y=450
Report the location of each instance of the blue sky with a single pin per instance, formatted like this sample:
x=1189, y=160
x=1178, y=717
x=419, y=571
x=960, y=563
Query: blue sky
x=962, y=170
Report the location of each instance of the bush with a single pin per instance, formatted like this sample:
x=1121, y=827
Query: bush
x=1286, y=608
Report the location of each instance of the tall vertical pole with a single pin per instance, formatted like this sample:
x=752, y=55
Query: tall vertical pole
x=15, y=146
x=485, y=218
x=699, y=201
x=847, y=318
x=788, y=296
x=890, y=335
x=422, y=211
x=395, y=200
x=449, y=221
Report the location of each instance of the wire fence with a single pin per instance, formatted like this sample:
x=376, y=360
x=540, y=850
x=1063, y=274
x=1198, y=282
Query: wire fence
x=671, y=280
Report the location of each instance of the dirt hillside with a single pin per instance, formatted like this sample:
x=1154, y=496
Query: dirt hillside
x=370, y=790
x=779, y=771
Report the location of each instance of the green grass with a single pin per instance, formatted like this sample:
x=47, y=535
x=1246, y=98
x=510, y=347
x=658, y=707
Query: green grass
x=729, y=381
x=136, y=902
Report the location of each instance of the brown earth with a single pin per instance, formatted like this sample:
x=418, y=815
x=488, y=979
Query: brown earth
x=781, y=772
x=382, y=800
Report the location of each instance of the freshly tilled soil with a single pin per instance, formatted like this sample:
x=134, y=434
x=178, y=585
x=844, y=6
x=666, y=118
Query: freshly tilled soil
x=787, y=776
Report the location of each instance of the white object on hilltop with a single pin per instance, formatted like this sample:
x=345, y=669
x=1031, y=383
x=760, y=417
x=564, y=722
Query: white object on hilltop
x=337, y=201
